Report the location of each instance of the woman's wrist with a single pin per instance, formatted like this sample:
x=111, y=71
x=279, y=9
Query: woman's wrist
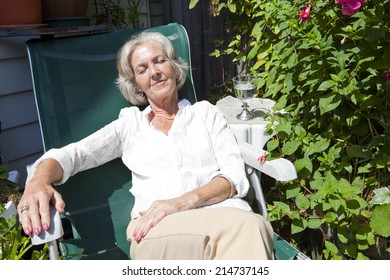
x=232, y=187
x=48, y=172
x=217, y=190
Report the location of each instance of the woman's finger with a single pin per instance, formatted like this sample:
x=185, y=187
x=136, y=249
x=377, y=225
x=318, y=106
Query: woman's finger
x=24, y=219
x=42, y=216
x=35, y=218
x=58, y=202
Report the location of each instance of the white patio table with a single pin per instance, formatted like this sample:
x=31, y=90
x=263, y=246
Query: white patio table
x=250, y=131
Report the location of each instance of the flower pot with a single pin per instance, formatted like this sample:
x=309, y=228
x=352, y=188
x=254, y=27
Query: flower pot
x=64, y=9
x=20, y=12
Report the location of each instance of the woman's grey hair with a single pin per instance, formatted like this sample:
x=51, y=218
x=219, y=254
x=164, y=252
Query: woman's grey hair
x=126, y=77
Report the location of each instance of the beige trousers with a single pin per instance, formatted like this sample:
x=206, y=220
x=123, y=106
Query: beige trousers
x=205, y=234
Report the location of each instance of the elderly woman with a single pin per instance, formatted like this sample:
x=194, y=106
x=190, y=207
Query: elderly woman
x=188, y=175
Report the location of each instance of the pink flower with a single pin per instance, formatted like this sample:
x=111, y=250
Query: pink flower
x=387, y=76
x=305, y=14
x=262, y=158
x=350, y=7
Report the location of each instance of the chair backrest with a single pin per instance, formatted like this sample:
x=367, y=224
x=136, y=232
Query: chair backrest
x=75, y=91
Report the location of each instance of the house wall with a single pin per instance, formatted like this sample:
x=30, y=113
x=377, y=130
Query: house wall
x=20, y=138
x=155, y=12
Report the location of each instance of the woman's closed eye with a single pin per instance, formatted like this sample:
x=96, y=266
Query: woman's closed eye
x=141, y=70
x=160, y=60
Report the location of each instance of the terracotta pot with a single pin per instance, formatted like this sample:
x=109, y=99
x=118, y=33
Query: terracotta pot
x=20, y=12
x=64, y=8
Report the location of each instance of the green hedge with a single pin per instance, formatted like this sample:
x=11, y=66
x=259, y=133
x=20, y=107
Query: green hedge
x=327, y=64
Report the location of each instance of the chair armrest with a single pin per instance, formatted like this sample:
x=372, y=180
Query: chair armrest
x=55, y=231
x=281, y=169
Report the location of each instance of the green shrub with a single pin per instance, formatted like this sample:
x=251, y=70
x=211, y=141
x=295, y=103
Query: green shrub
x=14, y=245
x=328, y=67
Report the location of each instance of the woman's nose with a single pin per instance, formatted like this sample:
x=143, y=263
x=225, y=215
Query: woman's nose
x=154, y=71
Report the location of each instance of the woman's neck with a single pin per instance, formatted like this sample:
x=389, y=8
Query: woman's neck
x=163, y=114
x=165, y=109
x=161, y=119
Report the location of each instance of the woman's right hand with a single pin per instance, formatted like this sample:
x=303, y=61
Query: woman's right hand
x=34, y=206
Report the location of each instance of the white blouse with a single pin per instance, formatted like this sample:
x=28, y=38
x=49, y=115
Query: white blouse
x=198, y=147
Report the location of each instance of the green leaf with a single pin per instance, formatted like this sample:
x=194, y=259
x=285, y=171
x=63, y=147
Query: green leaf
x=330, y=217
x=361, y=256
x=331, y=247
x=381, y=197
x=371, y=238
x=292, y=191
x=335, y=78
x=347, y=190
x=294, y=215
x=329, y=103
x=343, y=235
x=216, y=53
x=303, y=163
x=335, y=202
x=319, y=146
x=232, y=7
x=330, y=183
x=282, y=206
x=257, y=28
x=300, y=131
x=314, y=222
x=272, y=145
x=383, y=162
x=298, y=225
x=355, y=205
x=381, y=214
x=271, y=77
x=349, y=250
x=290, y=147
x=367, y=168
x=358, y=152
x=302, y=201
x=281, y=103
x=253, y=52
x=193, y=3
x=326, y=85
x=292, y=61
x=273, y=89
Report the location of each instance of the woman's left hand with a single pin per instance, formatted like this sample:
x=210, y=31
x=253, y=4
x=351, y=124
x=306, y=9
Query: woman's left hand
x=156, y=212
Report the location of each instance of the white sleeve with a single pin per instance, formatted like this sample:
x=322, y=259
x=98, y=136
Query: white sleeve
x=226, y=150
x=94, y=150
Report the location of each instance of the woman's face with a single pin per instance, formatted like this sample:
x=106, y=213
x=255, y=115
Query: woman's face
x=154, y=74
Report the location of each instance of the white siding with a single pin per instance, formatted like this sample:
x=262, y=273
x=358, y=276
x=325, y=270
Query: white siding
x=20, y=140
